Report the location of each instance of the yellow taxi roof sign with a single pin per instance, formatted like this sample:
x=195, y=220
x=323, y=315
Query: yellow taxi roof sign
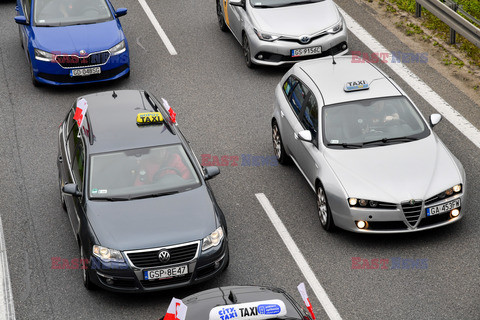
x=147, y=118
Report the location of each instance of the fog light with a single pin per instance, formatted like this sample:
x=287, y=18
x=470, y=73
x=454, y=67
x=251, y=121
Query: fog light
x=352, y=201
x=109, y=281
x=260, y=56
x=457, y=188
x=361, y=224
x=454, y=213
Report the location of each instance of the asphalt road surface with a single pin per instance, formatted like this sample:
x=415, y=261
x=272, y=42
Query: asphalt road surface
x=223, y=108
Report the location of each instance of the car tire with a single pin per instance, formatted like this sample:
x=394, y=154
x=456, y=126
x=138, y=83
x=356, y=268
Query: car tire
x=246, y=51
x=221, y=19
x=87, y=283
x=35, y=82
x=323, y=209
x=278, y=148
x=21, y=38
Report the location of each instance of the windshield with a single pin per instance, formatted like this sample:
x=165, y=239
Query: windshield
x=362, y=123
x=279, y=3
x=140, y=173
x=53, y=13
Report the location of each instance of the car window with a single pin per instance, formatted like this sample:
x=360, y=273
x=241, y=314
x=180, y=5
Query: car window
x=70, y=12
x=310, y=116
x=72, y=138
x=141, y=172
x=298, y=96
x=27, y=7
x=370, y=120
x=78, y=166
x=289, y=84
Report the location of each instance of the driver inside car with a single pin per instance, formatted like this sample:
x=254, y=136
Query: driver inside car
x=158, y=164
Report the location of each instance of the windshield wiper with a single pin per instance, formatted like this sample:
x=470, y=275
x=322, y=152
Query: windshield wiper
x=387, y=140
x=346, y=145
x=294, y=3
x=153, y=195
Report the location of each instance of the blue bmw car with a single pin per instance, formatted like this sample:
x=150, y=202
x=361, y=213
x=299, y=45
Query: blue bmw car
x=73, y=41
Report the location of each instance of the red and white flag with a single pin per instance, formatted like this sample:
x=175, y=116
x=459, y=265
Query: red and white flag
x=170, y=111
x=303, y=292
x=80, y=111
x=177, y=310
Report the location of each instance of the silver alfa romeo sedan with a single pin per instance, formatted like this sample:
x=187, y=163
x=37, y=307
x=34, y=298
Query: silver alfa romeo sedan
x=365, y=149
x=276, y=32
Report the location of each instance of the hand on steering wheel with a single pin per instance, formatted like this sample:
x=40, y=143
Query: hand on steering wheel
x=158, y=175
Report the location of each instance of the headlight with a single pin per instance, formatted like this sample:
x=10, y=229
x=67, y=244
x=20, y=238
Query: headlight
x=336, y=28
x=43, y=55
x=450, y=191
x=213, y=239
x=118, y=48
x=366, y=203
x=265, y=36
x=107, y=254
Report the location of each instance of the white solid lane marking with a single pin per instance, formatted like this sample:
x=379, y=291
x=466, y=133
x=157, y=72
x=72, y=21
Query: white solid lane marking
x=157, y=27
x=7, y=308
x=437, y=102
x=299, y=259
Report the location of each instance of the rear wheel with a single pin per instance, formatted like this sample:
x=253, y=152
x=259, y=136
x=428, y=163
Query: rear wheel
x=221, y=19
x=246, y=52
x=323, y=209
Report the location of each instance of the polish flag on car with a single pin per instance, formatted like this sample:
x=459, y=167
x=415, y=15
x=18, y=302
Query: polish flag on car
x=170, y=111
x=177, y=310
x=303, y=292
x=80, y=111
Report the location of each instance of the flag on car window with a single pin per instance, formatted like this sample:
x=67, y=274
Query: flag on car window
x=80, y=111
x=177, y=310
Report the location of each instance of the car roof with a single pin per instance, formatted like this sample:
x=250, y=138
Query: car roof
x=331, y=78
x=112, y=125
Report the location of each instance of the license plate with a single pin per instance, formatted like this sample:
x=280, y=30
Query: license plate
x=443, y=207
x=165, y=273
x=85, y=72
x=306, y=51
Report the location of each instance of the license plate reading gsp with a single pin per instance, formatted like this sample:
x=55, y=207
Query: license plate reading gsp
x=306, y=51
x=85, y=72
x=443, y=207
x=165, y=273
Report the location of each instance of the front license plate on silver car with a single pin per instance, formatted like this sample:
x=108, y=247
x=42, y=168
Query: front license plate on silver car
x=85, y=72
x=306, y=51
x=443, y=207
x=165, y=273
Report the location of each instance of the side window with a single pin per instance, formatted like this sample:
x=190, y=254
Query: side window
x=78, y=165
x=27, y=6
x=299, y=94
x=289, y=84
x=310, y=116
x=72, y=137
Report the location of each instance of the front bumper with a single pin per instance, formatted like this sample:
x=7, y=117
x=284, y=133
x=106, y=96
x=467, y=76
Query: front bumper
x=278, y=52
x=52, y=73
x=395, y=220
x=127, y=278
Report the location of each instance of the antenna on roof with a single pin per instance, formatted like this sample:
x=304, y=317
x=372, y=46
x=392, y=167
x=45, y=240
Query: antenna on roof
x=331, y=52
x=114, y=94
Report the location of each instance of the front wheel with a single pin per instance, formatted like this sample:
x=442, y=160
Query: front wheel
x=221, y=20
x=84, y=265
x=324, y=212
x=246, y=51
x=278, y=148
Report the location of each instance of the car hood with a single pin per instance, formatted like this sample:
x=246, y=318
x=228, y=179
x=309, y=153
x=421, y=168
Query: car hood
x=153, y=222
x=71, y=39
x=298, y=20
x=395, y=173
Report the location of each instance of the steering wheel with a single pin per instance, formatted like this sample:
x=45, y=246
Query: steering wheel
x=395, y=122
x=89, y=12
x=157, y=176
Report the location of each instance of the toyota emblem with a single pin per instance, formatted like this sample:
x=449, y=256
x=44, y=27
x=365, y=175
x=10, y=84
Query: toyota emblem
x=164, y=256
x=304, y=39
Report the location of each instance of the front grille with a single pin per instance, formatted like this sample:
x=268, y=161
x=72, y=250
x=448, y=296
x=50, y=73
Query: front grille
x=147, y=259
x=274, y=57
x=298, y=40
x=74, y=61
x=412, y=212
x=165, y=282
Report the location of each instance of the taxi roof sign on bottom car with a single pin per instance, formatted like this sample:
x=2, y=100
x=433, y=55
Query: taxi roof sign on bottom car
x=356, y=85
x=258, y=310
x=148, y=118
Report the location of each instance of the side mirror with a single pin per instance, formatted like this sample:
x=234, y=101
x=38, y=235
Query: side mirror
x=120, y=12
x=304, y=135
x=21, y=20
x=435, y=119
x=71, y=188
x=238, y=3
x=211, y=172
